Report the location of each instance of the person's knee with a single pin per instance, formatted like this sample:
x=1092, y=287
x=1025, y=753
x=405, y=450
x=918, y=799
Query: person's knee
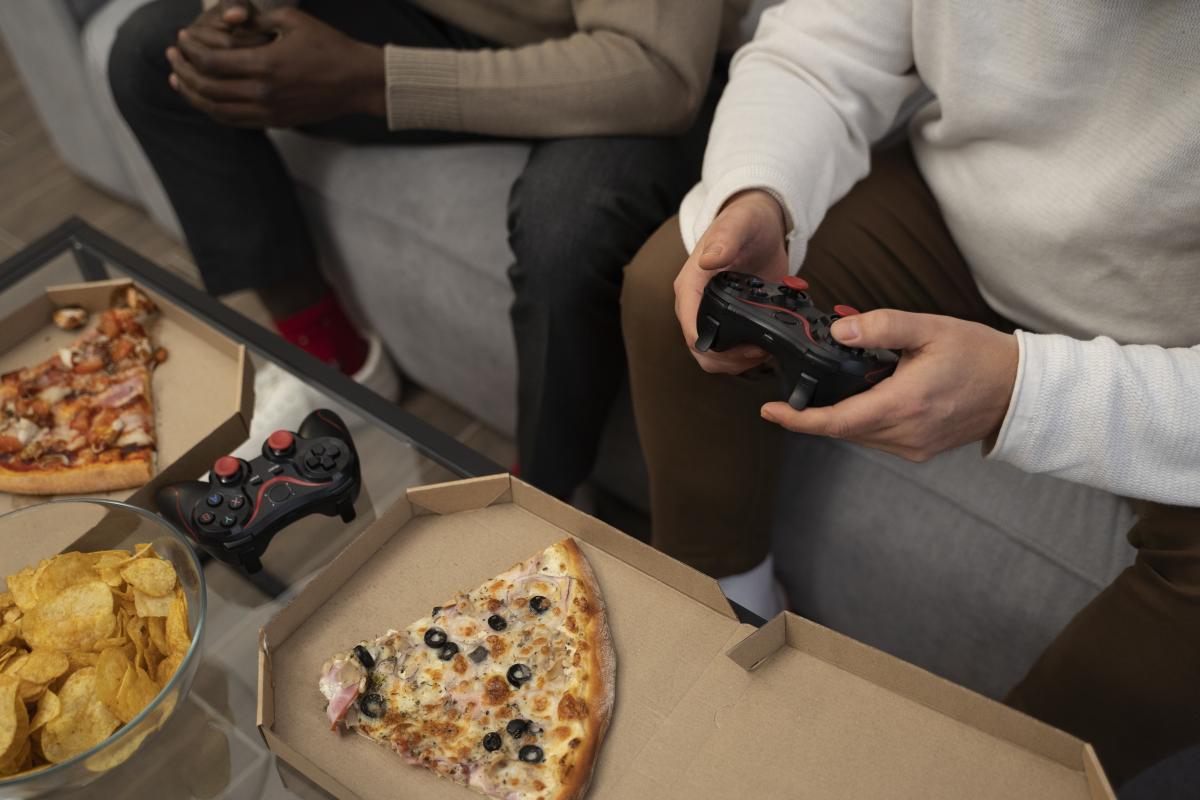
x=648, y=293
x=137, y=65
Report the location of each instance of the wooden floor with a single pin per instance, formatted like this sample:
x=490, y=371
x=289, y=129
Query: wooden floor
x=38, y=191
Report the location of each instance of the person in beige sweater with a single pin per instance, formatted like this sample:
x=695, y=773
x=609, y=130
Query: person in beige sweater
x=615, y=95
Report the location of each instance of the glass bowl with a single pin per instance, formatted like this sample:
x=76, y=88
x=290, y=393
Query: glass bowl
x=40, y=531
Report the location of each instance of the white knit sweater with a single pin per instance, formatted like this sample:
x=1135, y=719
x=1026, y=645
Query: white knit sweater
x=1063, y=146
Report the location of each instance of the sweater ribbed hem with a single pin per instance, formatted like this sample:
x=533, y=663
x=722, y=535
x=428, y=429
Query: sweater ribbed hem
x=422, y=88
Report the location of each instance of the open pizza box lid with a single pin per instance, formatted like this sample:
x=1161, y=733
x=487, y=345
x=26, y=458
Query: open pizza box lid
x=203, y=393
x=705, y=707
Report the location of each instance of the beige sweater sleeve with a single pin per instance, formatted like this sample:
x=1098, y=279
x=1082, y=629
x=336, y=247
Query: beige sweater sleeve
x=632, y=67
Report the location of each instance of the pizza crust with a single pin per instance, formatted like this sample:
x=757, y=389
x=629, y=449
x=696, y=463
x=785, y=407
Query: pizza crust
x=85, y=479
x=601, y=692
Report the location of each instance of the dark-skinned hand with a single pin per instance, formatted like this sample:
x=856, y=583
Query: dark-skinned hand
x=307, y=72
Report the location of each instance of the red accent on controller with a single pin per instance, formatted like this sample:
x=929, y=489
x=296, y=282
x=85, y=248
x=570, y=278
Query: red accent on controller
x=227, y=467
x=262, y=490
x=875, y=375
x=803, y=320
x=845, y=311
x=281, y=441
x=799, y=284
x=182, y=517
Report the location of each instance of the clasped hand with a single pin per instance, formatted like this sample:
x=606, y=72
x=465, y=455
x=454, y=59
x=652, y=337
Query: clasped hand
x=952, y=385
x=276, y=68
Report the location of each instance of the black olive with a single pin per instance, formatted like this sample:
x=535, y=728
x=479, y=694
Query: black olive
x=530, y=754
x=492, y=741
x=539, y=604
x=516, y=728
x=436, y=609
x=364, y=656
x=479, y=654
x=518, y=674
x=497, y=622
x=372, y=705
x=448, y=652
x=435, y=637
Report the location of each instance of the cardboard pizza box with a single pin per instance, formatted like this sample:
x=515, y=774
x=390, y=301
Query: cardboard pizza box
x=706, y=707
x=203, y=393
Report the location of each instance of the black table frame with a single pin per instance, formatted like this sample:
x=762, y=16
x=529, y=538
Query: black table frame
x=92, y=249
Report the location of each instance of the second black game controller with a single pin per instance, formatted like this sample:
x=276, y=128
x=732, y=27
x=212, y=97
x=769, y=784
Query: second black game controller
x=244, y=504
x=818, y=370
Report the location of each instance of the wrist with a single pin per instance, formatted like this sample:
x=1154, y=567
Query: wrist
x=369, y=80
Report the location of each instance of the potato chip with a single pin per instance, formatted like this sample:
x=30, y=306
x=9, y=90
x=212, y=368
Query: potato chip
x=14, y=721
x=12, y=614
x=62, y=571
x=73, y=620
x=6, y=600
x=177, y=625
x=157, y=628
x=150, y=575
x=19, y=762
x=147, y=605
x=48, y=708
x=21, y=586
x=108, y=568
x=43, y=666
x=136, y=691
x=110, y=669
x=168, y=666
x=83, y=721
x=8, y=632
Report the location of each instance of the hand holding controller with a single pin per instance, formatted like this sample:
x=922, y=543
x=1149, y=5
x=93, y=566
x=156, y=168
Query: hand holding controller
x=738, y=308
x=244, y=504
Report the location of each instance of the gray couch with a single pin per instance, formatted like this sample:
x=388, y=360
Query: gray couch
x=965, y=567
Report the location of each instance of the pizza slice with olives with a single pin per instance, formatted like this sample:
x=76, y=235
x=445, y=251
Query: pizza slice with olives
x=507, y=688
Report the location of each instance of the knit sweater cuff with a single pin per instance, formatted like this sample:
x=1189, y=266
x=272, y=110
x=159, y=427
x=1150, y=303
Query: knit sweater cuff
x=422, y=88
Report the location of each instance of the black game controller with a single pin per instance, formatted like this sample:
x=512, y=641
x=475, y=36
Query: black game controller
x=780, y=318
x=244, y=504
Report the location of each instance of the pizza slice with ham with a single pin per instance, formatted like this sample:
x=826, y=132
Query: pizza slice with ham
x=507, y=688
x=82, y=420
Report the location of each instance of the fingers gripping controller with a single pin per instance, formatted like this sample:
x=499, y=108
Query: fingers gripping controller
x=244, y=504
x=780, y=318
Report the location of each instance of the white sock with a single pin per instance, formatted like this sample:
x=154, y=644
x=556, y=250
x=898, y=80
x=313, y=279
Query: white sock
x=756, y=589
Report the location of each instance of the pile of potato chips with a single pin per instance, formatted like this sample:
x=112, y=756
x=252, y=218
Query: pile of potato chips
x=87, y=640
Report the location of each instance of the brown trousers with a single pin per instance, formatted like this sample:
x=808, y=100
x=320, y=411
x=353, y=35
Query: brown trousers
x=1123, y=675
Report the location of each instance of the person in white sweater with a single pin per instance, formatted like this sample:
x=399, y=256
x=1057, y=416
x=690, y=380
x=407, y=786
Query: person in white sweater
x=1033, y=249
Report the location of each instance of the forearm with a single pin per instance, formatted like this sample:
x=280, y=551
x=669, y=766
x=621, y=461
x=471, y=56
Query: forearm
x=635, y=67
x=1121, y=418
x=819, y=83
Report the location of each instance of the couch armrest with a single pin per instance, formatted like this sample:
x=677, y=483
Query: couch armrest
x=43, y=40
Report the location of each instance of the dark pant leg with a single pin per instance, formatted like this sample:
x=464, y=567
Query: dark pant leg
x=577, y=214
x=1124, y=675
x=228, y=186
x=713, y=461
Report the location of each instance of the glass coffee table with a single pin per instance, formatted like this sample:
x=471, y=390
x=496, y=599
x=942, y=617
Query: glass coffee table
x=211, y=747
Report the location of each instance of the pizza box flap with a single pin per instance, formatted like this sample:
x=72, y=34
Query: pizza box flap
x=794, y=704
x=705, y=707
x=203, y=393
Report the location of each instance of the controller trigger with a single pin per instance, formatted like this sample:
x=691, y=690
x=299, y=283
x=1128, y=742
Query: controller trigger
x=802, y=392
x=708, y=333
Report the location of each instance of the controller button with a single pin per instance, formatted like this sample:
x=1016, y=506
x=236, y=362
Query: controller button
x=281, y=442
x=327, y=462
x=214, y=500
x=206, y=518
x=275, y=469
x=317, y=450
x=228, y=521
x=227, y=469
x=755, y=282
x=786, y=319
x=333, y=451
x=237, y=502
x=313, y=462
x=792, y=282
x=845, y=311
x=255, y=480
x=279, y=493
x=760, y=293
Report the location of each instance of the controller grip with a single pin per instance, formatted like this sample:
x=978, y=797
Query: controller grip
x=173, y=501
x=323, y=422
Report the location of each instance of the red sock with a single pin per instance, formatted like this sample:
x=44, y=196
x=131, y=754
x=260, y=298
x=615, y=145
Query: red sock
x=323, y=330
